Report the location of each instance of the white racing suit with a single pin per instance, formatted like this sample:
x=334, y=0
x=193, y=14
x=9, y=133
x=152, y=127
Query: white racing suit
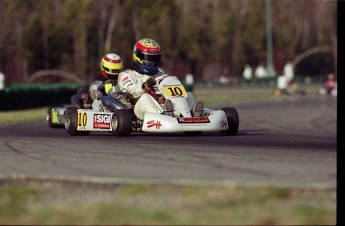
x=131, y=81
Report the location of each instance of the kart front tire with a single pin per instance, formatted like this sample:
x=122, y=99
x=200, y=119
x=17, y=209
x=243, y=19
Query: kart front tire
x=121, y=123
x=233, y=121
x=71, y=122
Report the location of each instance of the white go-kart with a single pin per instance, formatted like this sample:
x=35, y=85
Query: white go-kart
x=120, y=119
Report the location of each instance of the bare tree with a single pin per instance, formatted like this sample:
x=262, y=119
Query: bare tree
x=236, y=44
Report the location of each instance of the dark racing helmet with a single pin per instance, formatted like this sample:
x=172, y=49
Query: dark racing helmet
x=111, y=66
x=147, y=55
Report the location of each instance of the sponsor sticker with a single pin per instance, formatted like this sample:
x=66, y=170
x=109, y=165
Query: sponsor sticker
x=193, y=120
x=224, y=124
x=154, y=123
x=82, y=119
x=101, y=121
x=128, y=81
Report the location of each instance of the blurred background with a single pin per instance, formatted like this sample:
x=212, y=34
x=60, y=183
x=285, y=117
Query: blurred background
x=210, y=39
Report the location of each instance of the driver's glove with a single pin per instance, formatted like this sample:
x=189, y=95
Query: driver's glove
x=149, y=83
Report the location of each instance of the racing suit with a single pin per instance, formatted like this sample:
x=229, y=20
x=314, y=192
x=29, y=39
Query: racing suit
x=132, y=81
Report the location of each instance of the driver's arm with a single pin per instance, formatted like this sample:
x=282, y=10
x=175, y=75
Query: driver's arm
x=128, y=82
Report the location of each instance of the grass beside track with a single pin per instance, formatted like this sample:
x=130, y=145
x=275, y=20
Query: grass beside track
x=57, y=203
x=18, y=116
x=225, y=95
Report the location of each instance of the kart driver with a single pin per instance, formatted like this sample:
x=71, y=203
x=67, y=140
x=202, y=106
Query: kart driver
x=111, y=65
x=138, y=82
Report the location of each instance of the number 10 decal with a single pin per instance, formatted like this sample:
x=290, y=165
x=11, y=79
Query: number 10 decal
x=175, y=91
x=82, y=118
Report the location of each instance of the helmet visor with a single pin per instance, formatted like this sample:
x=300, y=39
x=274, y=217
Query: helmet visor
x=148, y=57
x=152, y=58
x=111, y=71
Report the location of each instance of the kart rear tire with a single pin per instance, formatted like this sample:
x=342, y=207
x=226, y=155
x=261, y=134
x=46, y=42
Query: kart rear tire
x=121, y=123
x=49, y=118
x=71, y=122
x=233, y=121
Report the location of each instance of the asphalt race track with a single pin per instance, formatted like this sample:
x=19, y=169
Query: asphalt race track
x=291, y=140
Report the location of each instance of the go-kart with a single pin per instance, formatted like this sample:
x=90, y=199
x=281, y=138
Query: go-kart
x=120, y=119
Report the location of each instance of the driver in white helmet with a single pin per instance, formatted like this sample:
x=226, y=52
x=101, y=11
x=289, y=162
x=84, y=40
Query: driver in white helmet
x=146, y=55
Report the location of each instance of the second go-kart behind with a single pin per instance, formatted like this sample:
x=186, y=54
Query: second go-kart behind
x=120, y=119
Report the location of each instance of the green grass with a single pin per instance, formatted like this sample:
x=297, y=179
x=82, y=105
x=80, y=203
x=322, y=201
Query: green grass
x=218, y=96
x=56, y=203
x=29, y=115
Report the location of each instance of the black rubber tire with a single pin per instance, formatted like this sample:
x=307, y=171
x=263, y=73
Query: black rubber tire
x=71, y=122
x=193, y=133
x=121, y=123
x=49, y=118
x=233, y=121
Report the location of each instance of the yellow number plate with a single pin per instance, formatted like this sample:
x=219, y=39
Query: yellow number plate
x=173, y=91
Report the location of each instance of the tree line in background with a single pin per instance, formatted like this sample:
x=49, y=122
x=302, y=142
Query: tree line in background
x=207, y=38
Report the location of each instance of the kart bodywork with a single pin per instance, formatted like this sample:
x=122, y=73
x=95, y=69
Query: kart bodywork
x=122, y=121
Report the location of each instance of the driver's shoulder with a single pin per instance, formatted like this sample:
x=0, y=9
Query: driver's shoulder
x=128, y=72
x=98, y=84
x=160, y=73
